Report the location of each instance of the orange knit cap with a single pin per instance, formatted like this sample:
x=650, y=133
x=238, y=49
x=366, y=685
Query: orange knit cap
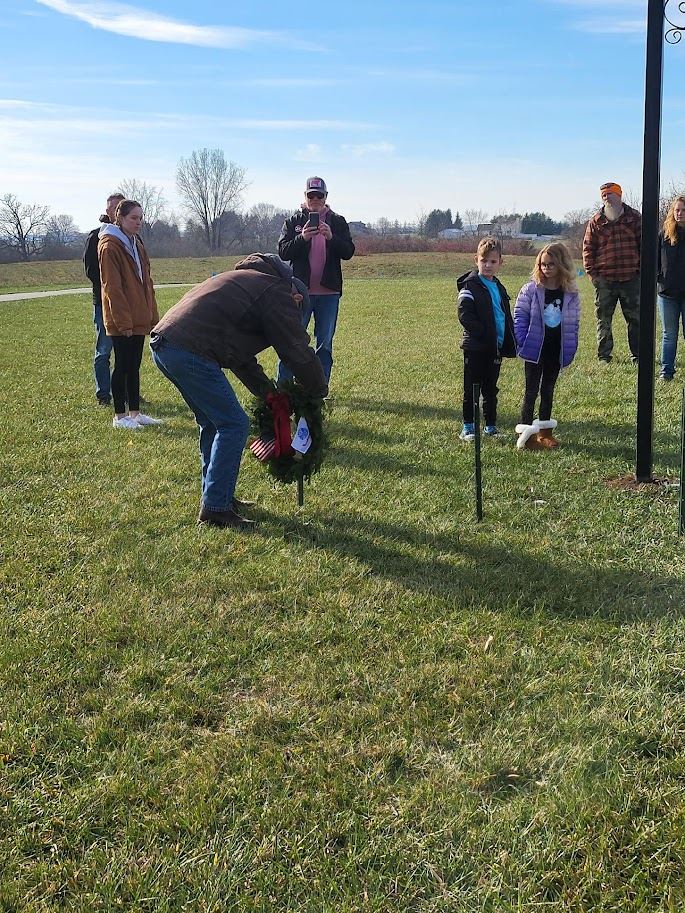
x=611, y=187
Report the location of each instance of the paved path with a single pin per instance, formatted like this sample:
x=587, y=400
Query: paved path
x=24, y=296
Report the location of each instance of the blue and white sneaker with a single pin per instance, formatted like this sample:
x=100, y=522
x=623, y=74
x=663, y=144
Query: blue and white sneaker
x=491, y=430
x=468, y=432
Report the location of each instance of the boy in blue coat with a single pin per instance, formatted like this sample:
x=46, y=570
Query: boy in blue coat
x=485, y=314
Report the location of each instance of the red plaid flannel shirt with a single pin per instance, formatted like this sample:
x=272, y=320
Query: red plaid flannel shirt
x=611, y=250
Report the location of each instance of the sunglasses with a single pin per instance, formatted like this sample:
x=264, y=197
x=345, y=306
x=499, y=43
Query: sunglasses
x=315, y=196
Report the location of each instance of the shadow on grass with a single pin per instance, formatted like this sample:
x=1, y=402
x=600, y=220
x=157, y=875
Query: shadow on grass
x=484, y=575
x=609, y=442
x=411, y=410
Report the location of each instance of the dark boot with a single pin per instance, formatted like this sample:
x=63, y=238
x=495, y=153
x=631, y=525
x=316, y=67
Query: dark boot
x=225, y=518
x=239, y=504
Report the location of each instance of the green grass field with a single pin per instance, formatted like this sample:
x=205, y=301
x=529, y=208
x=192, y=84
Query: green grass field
x=370, y=704
x=40, y=276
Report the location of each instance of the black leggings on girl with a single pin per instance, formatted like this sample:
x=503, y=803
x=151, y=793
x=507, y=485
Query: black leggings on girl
x=128, y=354
x=540, y=378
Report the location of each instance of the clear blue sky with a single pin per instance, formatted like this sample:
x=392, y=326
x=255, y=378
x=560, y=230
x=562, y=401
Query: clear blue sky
x=400, y=106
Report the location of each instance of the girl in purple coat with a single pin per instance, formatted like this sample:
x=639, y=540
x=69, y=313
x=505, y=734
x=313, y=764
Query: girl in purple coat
x=546, y=322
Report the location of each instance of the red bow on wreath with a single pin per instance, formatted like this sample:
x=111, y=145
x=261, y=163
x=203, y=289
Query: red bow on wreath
x=280, y=409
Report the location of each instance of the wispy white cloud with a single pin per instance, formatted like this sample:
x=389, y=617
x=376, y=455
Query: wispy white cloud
x=312, y=152
x=19, y=104
x=292, y=82
x=133, y=22
x=359, y=150
x=420, y=75
x=37, y=116
x=602, y=26
x=609, y=17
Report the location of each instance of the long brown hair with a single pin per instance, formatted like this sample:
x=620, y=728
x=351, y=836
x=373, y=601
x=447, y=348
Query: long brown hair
x=124, y=208
x=558, y=251
x=670, y=224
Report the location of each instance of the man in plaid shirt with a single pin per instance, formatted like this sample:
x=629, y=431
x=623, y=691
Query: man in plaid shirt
x=611, y=257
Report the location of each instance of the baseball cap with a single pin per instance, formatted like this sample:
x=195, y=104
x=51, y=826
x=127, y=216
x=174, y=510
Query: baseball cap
x=315, y=185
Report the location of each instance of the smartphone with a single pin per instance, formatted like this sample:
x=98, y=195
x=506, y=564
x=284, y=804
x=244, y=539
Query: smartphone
x=313, y=219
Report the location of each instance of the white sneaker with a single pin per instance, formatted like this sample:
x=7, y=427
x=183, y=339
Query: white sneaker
x=125, y=422
x=142, y=420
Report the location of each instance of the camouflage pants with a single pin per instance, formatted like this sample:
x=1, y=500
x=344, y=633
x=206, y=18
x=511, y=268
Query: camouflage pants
x=607, y=294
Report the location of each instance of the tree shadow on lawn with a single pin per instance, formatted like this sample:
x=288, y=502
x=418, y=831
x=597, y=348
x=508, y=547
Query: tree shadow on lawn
x=468, y=573
x=411, y=410
x=611, y=442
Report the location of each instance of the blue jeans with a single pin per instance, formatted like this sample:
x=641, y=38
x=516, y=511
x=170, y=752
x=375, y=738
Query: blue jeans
x=103, y=350
x=672, y=314
x=221, y=419
x=325, y=311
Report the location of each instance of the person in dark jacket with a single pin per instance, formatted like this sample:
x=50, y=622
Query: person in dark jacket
x=315, y=252
x=223, y=323
x=485, y=314
x=671, y=284
x=103, y=343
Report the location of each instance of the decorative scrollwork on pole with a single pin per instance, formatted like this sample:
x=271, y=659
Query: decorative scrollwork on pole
x=674, y=34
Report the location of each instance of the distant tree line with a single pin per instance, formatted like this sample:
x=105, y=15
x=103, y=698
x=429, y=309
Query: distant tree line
x=212, y=221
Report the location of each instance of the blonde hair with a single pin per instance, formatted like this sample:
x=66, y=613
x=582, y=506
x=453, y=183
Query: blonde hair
x=558, y=251
x=487, y=246
x=670, y=224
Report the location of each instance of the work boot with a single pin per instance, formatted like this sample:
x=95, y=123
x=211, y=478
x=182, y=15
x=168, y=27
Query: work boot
x=238, y=504
x=225, y=518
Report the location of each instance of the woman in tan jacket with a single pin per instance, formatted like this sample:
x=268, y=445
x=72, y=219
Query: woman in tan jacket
x=129, y=309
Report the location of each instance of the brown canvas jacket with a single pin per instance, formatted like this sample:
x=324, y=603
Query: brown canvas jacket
x=128, y=305
x=231, y=317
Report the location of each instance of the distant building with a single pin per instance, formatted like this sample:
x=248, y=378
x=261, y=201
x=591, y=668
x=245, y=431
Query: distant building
x=507, y=228
x=448, y=233
x=359, y=228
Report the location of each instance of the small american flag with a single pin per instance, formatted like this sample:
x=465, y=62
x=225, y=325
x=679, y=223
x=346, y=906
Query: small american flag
x=263, y=448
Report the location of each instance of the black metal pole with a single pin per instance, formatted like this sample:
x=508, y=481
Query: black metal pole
x=681, y=512
x=300, y=491
x=476, y=453
x=651, y=164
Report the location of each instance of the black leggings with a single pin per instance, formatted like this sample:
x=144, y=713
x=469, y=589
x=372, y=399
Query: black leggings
x=128, y=354
x=542, y=378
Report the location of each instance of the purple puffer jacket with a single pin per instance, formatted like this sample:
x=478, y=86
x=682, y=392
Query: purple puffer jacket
x=529, y=324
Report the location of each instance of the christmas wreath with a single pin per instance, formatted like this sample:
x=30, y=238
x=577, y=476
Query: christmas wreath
x=277, y=424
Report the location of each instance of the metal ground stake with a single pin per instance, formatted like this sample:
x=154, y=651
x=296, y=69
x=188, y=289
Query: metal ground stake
x=476, y=453
x=681, y=515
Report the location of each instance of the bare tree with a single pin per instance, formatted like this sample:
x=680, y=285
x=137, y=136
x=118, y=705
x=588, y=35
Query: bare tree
x=209, y=186
x=264, y=224
x=151, y=199
x=60, y=231
x=62, y=240
x=383, y=227
x=22, y=226
x=674, y=189
x=574, y=228
x=473, y=218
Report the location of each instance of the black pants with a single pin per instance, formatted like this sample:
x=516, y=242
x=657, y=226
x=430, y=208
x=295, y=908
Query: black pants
x=481, y=368
x=128, y=354
x=540, y=378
